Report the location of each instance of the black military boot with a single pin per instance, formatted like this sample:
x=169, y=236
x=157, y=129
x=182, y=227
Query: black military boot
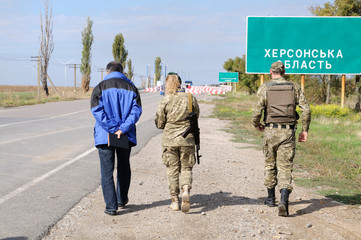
x=283, y=205
x=271, y=199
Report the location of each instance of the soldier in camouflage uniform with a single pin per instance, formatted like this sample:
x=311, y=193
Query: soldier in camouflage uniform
x=277, y=100
x=178, y=152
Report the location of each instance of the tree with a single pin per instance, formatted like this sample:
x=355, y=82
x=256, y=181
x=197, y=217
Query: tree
x=85, y=67
x=120, y=54
x=340, y=8
x=130, y=69
x=46, y=44
x=228, y=65
x=158, y=68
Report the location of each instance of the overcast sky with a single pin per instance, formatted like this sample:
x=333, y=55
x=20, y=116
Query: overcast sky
x=192, y=37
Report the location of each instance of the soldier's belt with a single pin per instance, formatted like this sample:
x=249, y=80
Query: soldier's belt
x=273, y=125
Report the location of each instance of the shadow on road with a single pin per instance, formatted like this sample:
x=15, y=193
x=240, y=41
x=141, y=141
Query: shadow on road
x=208, y=202
x=136, y=208
x=15, y=238
x=314, y=205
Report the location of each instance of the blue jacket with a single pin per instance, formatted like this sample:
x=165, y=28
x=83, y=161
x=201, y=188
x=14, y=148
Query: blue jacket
x=116, y=105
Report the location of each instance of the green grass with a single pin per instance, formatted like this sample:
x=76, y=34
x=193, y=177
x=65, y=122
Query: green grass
x=238, y=108
x=331, y=156
x=17, y=99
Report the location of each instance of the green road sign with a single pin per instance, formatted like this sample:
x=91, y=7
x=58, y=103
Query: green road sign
x=228, y=77
x=306, y=45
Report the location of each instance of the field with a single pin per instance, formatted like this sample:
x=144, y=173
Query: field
x=329, y=161
x=13, y=96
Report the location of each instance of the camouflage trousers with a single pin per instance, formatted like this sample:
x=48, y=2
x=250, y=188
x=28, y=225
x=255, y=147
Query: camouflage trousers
x=179, y=162
x=279, y=149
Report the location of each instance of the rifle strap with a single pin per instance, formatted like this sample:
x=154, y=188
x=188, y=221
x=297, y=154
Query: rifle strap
x=190, y=103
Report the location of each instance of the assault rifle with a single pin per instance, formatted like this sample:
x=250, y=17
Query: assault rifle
x=193, y=128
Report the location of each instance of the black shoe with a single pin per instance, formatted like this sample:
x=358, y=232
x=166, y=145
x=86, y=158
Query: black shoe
x=123, y=204
x=271, y=199
x=283, y=205
x=111, y=213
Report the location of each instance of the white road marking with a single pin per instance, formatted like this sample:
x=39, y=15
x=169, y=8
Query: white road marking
x=42, y=119
x=44, y=134
x=46, y=175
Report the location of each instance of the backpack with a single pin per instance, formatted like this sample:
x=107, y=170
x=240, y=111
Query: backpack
x=281, y=105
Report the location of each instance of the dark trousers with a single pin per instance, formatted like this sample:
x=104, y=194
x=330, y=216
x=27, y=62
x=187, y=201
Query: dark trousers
x=112, y=196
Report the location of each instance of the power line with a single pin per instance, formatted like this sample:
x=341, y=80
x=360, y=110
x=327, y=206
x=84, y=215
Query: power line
x=15, y=59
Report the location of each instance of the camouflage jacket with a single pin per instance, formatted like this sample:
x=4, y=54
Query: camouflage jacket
x=300, y=100
x=171, y=116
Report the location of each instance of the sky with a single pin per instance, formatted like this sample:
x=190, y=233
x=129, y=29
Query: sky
x=193, y=38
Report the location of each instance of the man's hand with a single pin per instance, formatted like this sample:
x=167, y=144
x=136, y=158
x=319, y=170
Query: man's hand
x=260, y=127
x=303, y=136
x=119, y=132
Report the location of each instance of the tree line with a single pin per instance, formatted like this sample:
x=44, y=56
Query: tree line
x=319, y=88
x=120, y=53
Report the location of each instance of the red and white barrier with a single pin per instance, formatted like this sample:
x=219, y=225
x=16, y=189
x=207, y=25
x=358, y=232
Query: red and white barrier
x=199, y=89
x=150, y=90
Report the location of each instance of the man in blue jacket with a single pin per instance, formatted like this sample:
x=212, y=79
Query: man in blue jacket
x=116, y=107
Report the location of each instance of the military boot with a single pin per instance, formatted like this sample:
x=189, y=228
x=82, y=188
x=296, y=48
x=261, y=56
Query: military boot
x=271, y=199
x=175, y=203
x=185, y=199
x=283, y=205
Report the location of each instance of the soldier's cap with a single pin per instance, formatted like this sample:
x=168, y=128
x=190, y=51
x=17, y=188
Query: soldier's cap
x=277, y=66
x=173, y=73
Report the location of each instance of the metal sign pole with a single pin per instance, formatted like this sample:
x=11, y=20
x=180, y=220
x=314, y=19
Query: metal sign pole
x=303, y=82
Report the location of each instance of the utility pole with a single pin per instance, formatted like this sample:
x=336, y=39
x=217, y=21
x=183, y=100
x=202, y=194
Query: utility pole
x=75, y=66
x=148, y=76
x=101, y=70
x=154, y=80
x=37, y=59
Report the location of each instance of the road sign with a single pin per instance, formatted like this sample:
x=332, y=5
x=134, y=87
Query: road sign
x=228, y=77
x=306, y=45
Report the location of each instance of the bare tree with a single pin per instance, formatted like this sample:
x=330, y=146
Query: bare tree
x=46, y=44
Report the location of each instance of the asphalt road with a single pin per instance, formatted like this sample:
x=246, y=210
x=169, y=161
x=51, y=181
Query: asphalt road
x=48, y=162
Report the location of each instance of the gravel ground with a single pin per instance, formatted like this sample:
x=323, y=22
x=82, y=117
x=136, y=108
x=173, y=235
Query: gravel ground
x=226, y=200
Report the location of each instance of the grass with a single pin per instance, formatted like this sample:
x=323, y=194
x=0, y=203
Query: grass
x=14, y=96
x=331, y=158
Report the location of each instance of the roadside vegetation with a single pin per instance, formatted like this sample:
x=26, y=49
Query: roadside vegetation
x=329, y=161
x=14, y=96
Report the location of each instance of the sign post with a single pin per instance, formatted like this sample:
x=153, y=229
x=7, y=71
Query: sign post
x=306, y=45
x=229, y=77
